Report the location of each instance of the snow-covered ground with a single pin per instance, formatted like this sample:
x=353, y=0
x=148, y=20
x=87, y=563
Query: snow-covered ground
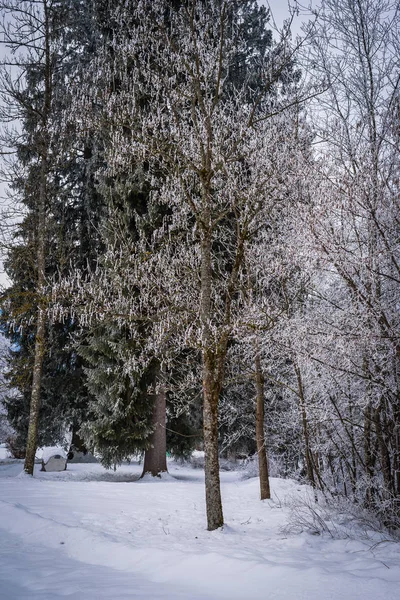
x=4, y=454
x=91, y=534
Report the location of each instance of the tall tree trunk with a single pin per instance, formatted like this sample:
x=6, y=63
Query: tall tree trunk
x=265, y=492
x=306, y=434
x=215, y=517
x=383, y=450
x=155, y=458
x=43, y=144
x=36, y=394
x=353, y=470
x=368, y=454
x=211, y=389
x=40, y=342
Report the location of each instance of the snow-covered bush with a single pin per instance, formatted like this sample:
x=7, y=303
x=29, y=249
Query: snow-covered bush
x=276, y=467
x=339, y=518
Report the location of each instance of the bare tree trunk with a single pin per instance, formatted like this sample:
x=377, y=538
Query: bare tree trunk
x=43, y=144
x=155, y=458
x=306, y=435
x=383, y=450
x=265, y=492
x=211, y=389
x=353, y=470
x=215, y=517
x=368, y=458
x=36, y=395
x=40, y=326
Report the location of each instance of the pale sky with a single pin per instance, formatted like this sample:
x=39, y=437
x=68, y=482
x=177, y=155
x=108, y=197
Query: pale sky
x=280, y=11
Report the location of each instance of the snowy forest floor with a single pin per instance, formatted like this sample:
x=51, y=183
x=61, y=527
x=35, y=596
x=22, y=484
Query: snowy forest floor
x=92, y=534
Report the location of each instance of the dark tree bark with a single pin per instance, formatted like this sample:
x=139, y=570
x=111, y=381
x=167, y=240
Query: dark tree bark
x=368, y=453
x=211, y=393
x=265, y=492
x=306, y=434
x=34, y=409
x=212, y=383
x=155, y=458
x=383, y=449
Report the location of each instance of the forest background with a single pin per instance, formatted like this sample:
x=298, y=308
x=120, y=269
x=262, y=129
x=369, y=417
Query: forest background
x=208, y=252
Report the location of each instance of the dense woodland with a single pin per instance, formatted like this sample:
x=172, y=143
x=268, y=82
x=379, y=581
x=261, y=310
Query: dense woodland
x=202, y=237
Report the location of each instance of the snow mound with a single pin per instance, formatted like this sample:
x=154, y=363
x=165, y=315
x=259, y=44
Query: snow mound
x=148, y=477
x=51, y=451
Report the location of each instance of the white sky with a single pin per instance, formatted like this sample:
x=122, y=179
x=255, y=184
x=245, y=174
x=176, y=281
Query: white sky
x=280, y=11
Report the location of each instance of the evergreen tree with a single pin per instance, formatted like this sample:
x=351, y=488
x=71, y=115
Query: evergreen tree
x=128, y=215
x=119, y=420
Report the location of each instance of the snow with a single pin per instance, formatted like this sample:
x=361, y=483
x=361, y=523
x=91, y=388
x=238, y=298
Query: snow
x=96, y=534
x=49, y=451
x=4, y=453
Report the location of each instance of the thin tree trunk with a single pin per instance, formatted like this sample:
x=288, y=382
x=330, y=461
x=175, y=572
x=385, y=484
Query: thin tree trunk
x=41, y=254
x=306, y=435
x=155, y=458
x=215, y=517
x=36, y=394
x=383, y=451
x=368, y=458
x=40, y=342
x=353, y=471
x=211, y=390
x=396, y=427
x=265, y=492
